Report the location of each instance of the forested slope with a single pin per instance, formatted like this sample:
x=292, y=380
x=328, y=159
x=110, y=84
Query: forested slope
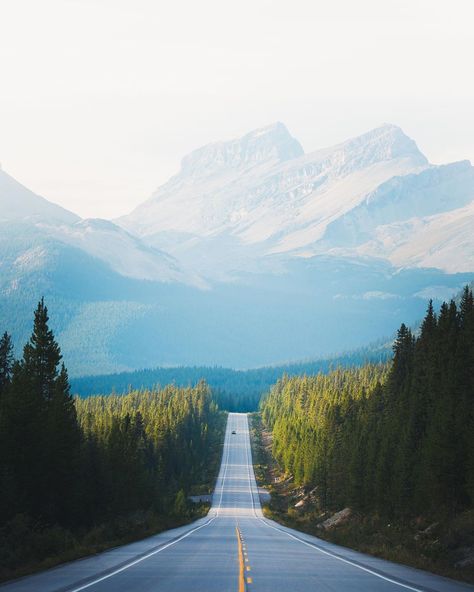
x=76, y=475
x=233, y=390
x=398, y=439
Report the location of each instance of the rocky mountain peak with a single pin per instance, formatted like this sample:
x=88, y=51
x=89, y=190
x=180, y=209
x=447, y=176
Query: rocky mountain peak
x=385, y=143
x=269, y=144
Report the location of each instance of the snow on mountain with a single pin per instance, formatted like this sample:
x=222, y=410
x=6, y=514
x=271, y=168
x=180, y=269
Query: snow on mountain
x=40, y=220
x=442, y=241
x=260, y=195
x=211, y=190
x=267, y=145
x=331, y=249
x=395, y=213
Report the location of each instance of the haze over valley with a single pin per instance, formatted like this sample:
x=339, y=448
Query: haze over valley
x=253, y=241
x=236, y=296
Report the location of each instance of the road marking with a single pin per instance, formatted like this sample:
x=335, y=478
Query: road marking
x=314, y=546
x=170, y=544
x=368, y=570
x=226, y=441
x=139, y=560
x=241, y=561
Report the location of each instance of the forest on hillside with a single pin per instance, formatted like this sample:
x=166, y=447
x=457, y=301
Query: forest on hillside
x=393, y=439
x=233, y=390
x=79, y=474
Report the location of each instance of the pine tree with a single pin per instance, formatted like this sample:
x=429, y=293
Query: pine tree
x=43, y=436
x=62, y=447
x=6, y=362
x=7, y=482
x=399, y=446
x=41, y=355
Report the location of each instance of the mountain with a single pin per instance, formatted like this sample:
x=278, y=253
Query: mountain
x=253, y=254
x=222, y=212
x=372, y=196
x=419, y=219
x=92, y=273
x=35, y=217
x=19, y=204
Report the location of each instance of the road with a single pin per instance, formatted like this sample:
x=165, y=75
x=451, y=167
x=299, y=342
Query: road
x=233, y=549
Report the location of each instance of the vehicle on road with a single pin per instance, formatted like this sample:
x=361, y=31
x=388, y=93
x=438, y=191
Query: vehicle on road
x=234, y=547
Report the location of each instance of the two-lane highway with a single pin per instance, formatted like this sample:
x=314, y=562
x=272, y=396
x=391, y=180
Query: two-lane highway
x=233, y=549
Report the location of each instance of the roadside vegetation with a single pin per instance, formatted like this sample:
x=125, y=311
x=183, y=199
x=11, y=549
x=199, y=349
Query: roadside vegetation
x=80, y=475
x=381, y=458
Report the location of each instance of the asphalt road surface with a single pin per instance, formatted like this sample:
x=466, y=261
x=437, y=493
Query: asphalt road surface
x=233, y=549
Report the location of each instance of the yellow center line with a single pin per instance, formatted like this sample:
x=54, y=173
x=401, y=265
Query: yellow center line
x=241, y=562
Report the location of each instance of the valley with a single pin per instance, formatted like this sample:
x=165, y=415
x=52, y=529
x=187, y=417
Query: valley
x=303, y=255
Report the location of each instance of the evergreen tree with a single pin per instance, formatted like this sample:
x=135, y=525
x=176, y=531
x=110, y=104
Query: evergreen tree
x=62, y=448
x=76, y=464
x=7, y=482
x=41, y=356
x=42, y=435
x=6, y=362
x=397, y=440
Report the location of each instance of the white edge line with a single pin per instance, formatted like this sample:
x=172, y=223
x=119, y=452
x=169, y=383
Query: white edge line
x=250, y=464
x=226, y=441
x=315, y=547
x=124, y=567
x=148, y=555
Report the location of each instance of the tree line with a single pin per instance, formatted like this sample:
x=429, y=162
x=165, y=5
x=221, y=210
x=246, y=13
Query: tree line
x=397, y=438
x=69, y=465
x=233, y=390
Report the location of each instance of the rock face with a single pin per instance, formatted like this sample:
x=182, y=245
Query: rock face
x=235, y=205
x=336, y=519
x=246, y=204
x=271, y=144
x=252, y=240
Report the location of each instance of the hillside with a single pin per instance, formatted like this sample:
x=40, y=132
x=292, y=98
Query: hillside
x=252, y=241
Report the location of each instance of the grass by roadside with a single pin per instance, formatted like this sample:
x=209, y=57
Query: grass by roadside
x=46, y=547
x=437, y=544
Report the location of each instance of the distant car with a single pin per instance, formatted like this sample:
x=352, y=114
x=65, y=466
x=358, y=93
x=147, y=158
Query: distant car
x=234, y=432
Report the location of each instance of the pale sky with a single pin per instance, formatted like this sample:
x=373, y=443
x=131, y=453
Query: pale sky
x=100, y=99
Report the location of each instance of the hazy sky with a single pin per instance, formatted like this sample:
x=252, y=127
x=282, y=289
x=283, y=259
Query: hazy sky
x=100, y=99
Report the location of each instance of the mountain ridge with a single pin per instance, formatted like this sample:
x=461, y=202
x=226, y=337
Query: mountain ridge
x=17, y=202
x=283, y=209
x=266, y=255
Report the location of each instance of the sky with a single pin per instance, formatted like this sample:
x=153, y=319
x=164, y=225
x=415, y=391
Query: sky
x=100, y=99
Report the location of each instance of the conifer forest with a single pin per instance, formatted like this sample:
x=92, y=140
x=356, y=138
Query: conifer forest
x=81, y=472
x=395, y=438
